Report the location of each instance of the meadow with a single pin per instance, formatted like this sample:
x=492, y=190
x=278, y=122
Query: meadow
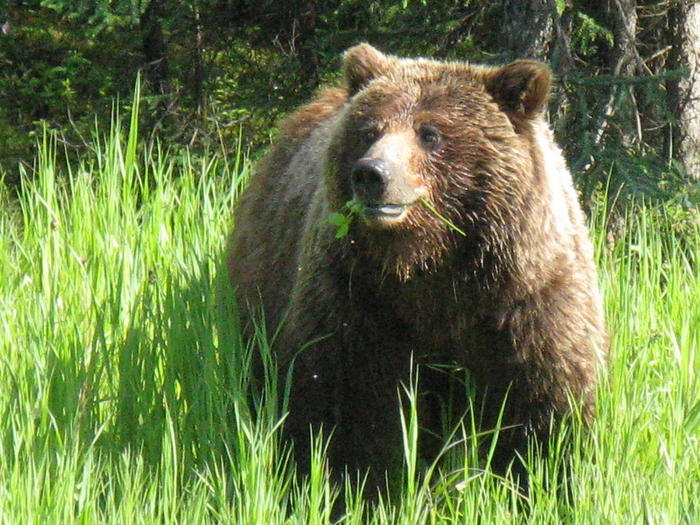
x=124, y=381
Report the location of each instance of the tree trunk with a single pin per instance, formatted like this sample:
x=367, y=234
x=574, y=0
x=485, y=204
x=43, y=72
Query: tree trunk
x=153, y=47
x=624, y=62
x=306, y=21
x=685, y=24
x=528, y=28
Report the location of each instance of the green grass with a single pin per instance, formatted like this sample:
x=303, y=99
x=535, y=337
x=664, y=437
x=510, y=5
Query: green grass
x=124, y=382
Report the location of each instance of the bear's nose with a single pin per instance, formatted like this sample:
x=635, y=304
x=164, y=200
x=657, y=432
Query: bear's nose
x=369, y=179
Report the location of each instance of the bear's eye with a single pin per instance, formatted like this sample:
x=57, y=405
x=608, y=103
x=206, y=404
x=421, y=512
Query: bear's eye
x=369, y=131
x=429, y=135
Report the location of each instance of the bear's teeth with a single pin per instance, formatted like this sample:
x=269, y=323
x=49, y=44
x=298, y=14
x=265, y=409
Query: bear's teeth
x=387, y=209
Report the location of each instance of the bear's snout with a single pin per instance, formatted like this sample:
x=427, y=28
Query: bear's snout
x=383, y=179
x=384, y=190
x=370, y=178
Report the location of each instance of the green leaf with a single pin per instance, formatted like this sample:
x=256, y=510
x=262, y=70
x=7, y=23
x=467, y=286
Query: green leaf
x=337, y=219
x=342, y=230
x=355, y=207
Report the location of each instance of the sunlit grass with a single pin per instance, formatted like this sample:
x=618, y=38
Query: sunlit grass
x=125, y=385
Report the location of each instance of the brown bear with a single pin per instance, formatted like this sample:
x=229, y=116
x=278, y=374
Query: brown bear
x=469, y=250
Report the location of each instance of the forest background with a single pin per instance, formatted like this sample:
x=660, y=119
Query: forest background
x=626, y=107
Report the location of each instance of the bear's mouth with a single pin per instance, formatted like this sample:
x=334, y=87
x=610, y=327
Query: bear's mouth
x=385, y=213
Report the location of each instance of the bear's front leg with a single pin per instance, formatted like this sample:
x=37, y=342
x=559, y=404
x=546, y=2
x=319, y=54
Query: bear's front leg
x=354, y=398
x=527, y=380
x=313, y=379
x=348, y=365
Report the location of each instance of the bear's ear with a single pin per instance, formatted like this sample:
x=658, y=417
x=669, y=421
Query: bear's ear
x=521, y=87
x=361, y=64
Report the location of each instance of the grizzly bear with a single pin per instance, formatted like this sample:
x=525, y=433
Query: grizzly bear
x=469, y=251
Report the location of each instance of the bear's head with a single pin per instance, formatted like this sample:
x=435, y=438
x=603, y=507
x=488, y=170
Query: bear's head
x=438, y=153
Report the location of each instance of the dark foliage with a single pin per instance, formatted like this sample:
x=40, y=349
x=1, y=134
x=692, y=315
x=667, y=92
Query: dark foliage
x=214, y=70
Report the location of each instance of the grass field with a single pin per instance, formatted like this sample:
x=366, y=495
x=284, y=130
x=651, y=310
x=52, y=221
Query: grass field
x=123, y=381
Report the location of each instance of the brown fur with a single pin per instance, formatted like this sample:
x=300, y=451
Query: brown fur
x=514, y=300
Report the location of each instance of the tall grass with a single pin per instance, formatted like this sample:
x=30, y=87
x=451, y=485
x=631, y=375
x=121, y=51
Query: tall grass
x=124, y=393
